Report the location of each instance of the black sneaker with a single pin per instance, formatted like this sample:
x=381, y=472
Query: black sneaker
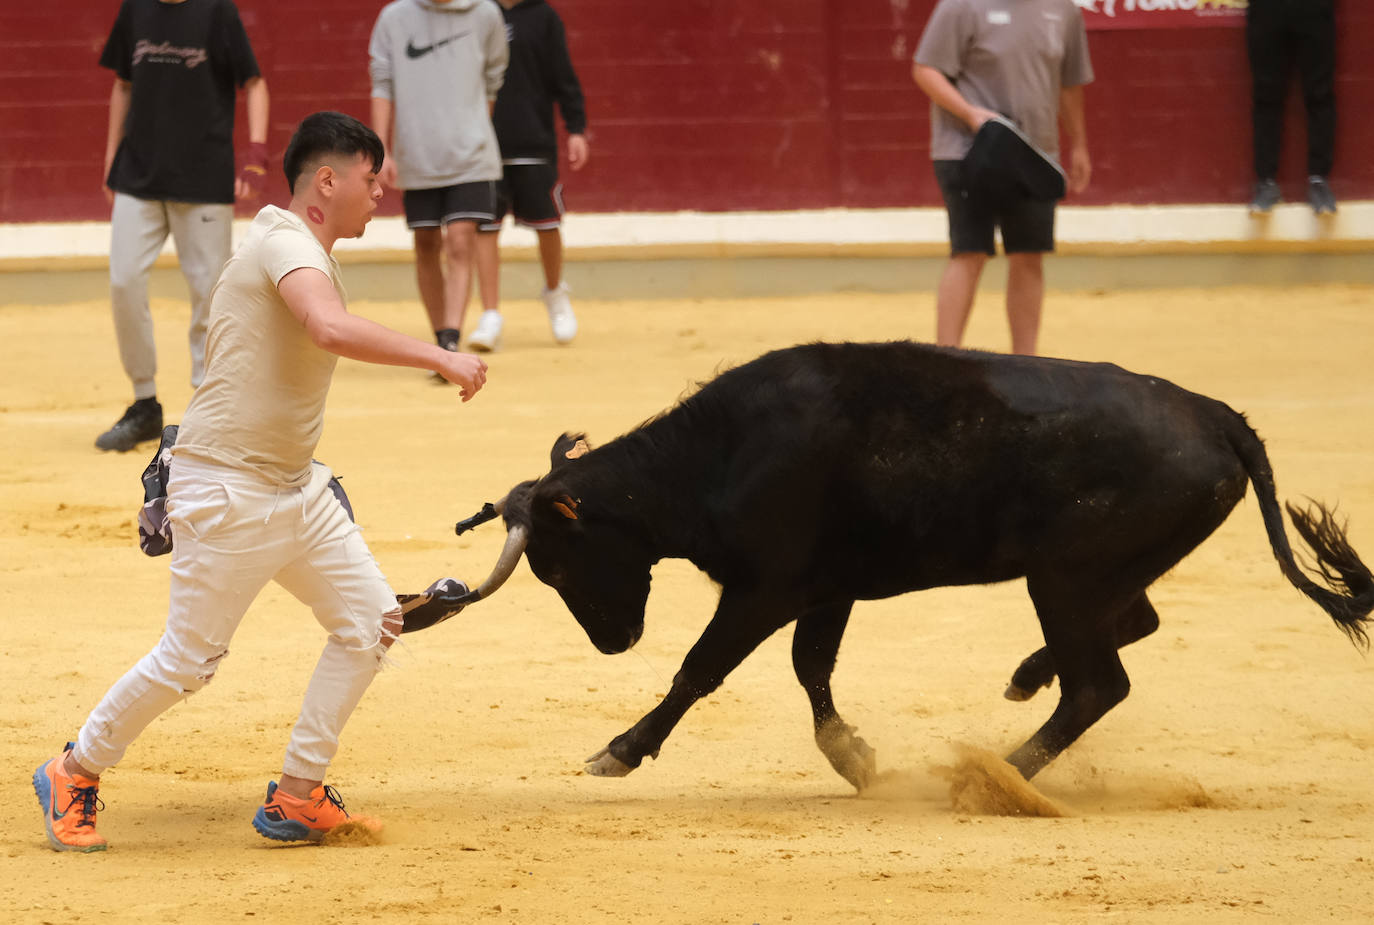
x=1267, y=195
x=1320, y=197
x=447, y=338
x=142, y=421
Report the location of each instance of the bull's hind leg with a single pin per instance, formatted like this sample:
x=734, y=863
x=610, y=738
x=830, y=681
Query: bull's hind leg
x=1136, y=622
x=1080, y=633
x=815, y=644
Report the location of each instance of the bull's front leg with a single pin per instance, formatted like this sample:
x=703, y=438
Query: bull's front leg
x=628, y=750
x=741, y=622
x=815, y=645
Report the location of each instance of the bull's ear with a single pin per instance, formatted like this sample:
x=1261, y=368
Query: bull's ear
x=567, y=506
x=568, y=447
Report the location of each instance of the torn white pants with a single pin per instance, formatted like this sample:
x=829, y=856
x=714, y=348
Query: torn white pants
x=232, y=534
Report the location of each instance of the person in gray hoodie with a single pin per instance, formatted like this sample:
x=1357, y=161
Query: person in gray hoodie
x=436, y=67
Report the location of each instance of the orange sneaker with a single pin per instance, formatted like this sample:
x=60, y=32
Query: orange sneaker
x=283, y=817
x=69, y=806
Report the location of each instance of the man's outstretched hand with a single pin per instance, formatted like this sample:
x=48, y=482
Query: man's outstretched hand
x=465, y=370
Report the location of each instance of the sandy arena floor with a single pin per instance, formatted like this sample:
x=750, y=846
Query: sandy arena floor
x=1233, y=784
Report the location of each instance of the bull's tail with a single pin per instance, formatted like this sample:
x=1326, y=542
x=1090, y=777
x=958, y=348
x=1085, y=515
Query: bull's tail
x=1346, y=591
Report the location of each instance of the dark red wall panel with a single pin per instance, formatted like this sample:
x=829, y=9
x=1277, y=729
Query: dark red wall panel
x=709, y=104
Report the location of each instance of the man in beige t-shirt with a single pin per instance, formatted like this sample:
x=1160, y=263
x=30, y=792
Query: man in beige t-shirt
x=247, y=504
x=1026, y=60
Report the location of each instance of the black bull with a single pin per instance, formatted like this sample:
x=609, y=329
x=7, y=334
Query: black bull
x=824, y=474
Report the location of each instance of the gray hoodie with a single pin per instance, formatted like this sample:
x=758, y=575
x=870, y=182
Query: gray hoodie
x=440, y=64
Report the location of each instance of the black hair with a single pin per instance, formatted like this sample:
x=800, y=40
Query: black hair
x=321, y=134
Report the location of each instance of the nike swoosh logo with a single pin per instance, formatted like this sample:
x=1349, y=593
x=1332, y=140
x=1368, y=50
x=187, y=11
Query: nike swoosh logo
x=419, y=51
x=310, y=818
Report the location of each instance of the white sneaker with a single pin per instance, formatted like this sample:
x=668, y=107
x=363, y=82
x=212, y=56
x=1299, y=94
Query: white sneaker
x=486, y=337
x=561, y=317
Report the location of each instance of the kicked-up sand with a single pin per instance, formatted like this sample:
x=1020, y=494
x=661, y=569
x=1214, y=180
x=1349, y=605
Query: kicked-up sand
x=1234, y=784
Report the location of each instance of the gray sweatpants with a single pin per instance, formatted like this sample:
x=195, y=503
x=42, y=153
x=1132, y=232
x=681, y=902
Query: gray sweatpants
x=138, y=229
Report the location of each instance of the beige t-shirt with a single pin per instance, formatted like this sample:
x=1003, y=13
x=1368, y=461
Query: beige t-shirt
x=1010, y=56
x=261, y=405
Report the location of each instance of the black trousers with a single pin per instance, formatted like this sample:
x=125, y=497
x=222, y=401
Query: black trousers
x=1279, y=34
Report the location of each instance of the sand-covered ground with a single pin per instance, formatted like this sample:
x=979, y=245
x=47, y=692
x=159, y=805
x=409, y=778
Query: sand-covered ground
x=1235, y=784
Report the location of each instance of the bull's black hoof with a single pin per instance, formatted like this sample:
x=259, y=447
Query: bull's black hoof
x=1019, y=694
x=1020, y=689
x=1034, y=673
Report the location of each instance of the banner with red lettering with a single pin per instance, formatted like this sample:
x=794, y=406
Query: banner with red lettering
x=1161, y=14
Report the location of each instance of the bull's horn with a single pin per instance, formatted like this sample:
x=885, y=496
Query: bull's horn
x=505, y=565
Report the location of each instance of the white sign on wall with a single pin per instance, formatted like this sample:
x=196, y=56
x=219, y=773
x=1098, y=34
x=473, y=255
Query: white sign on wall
x=1161, y=14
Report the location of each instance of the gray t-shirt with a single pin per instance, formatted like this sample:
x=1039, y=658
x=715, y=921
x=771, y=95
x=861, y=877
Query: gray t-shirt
x=441, y=65
x=1010, y=56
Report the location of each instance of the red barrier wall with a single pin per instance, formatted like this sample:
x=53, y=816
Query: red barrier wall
x=709, y=104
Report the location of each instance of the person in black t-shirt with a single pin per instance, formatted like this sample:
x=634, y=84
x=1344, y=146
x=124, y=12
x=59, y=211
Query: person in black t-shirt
x=169, y=167
x=540, y=74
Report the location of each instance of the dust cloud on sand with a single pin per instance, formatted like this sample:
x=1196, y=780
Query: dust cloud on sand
x=978, y=783
x=360, y=832
x=983, y=784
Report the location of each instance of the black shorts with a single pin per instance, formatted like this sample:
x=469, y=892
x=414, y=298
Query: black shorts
x=1027, y=224
x=532, y=193
x=462, y=202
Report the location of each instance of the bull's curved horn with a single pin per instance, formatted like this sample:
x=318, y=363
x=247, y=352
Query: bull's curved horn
x=505, y=565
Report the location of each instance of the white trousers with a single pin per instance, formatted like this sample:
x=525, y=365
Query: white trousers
x=138, y=229
x=232, y=534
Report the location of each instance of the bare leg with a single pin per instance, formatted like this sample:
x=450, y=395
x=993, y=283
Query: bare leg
x=460, y=246
x=551, y=256
x=954, y=301
x=1025, y=296
x=70, y=765
x=429, y=273
x=489, y=269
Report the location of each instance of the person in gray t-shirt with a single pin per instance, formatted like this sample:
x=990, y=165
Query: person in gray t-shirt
x=1026, y=60
x=436, y=67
